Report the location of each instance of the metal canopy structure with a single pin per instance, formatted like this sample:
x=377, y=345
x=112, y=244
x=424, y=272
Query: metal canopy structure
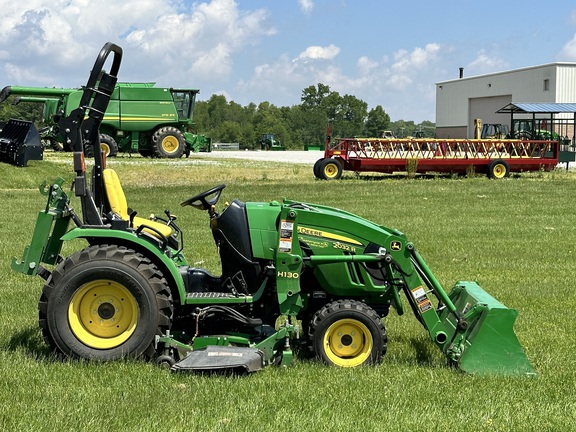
x=538, y=108
x=546, y=126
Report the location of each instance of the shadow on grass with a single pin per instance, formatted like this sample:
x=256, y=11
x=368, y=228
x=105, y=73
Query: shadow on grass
x=416, y=350
x=30, y=342
x=419, y=176
x=423, y=350
x=402, y=176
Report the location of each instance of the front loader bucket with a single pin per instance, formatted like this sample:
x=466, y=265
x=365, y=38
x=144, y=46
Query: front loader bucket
x=486, y=344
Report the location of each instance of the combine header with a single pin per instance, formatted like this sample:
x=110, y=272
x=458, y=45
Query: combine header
x=495, y=157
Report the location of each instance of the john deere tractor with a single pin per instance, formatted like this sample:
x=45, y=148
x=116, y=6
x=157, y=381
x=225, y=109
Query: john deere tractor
x=293, y=273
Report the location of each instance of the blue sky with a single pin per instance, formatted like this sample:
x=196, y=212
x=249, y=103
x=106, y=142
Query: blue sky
x=386, y=53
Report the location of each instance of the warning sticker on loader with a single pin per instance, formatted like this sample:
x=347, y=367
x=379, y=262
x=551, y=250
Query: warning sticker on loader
x=419, y=295
x=286, y=232
x=286, y=229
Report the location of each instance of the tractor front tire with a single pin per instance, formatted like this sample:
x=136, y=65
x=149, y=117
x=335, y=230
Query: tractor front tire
x=105, y=303
x=169, y=143
x=348, y=333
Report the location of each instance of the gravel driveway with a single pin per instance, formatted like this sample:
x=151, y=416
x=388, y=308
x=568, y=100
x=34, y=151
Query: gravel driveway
x=288, y=156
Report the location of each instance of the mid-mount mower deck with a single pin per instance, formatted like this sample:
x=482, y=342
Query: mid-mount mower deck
x=333, y=275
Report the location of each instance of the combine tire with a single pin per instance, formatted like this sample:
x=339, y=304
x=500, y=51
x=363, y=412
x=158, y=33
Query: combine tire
x=105, y=303
x=53, y=144
x=348, y=333
x=330, y=169
x=108, y=145
x=498, y=169
x=168, y=143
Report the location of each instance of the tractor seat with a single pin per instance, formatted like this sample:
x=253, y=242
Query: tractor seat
x=118, y=204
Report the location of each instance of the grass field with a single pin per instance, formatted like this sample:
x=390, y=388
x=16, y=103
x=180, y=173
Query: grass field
x=515, y=237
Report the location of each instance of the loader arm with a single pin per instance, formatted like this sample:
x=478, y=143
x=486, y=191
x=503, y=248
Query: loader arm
x=472, y=328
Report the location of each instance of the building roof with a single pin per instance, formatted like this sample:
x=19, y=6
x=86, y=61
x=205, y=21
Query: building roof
x=510, y=71
x=538, y=108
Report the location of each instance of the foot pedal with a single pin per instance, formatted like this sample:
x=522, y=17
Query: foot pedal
x=221, y=358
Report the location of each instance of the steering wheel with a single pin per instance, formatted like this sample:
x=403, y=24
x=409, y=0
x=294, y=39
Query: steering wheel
x=201, y=201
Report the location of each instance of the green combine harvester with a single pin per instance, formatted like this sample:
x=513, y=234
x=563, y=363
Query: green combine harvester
x=331, y=275
x=140, y=118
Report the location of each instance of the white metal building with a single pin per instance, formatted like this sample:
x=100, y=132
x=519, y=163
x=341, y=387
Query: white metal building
x=460, y=101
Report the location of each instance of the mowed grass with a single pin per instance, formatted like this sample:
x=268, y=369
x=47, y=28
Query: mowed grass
x=515, y=237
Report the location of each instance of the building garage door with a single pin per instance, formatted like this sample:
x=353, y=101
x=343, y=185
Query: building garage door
x=485, y=108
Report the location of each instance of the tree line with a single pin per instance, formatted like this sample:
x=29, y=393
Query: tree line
x=296, y=126
x=299, y=125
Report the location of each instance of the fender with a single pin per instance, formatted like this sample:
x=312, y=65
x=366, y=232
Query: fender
x=168, y=266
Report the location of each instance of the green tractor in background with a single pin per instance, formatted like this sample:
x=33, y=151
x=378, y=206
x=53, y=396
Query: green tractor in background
x=268, y=141
x=140, y=118
x=293, y=274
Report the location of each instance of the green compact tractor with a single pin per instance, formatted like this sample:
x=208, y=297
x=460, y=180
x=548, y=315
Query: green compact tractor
x=293, y=274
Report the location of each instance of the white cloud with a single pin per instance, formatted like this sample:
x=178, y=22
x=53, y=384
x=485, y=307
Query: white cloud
x=306, y=6
x=170, y=42
x=568, y=52
x=418, y=58
x=572, y=17
x=319, y=53
x=484, y=63
x=366, y=65
x=398, y=82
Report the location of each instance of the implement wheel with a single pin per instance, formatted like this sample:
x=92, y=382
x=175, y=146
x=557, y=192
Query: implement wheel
x=330, y=169
x=316, y=168
x=168, y=143
x=498, y=169
x=348, y=333
x=105, y=303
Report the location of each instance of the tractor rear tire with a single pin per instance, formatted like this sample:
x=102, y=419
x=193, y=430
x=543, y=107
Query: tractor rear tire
x=108, y=145
x=348, y=333
x=169, y=143
x=498, y=169
x=103, y=303
x=330, y=169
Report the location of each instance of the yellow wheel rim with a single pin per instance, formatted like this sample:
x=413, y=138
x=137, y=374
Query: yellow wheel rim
x=499, y=171
x=170, y=144
x=103, y=314
x=105, y=148
x=348, y=343
x=331, y=170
